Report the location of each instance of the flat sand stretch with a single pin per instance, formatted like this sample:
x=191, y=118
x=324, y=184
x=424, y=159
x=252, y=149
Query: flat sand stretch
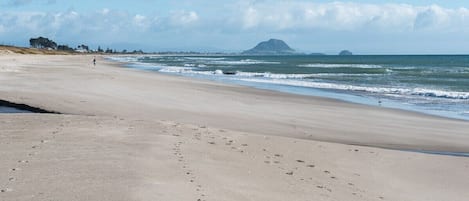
x=126, y=134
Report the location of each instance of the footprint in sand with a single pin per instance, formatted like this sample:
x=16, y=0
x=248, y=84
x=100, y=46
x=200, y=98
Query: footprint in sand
x=324, y=187
x=15, y=169
x=32, y=154
x=6, y=190
x=188, y=172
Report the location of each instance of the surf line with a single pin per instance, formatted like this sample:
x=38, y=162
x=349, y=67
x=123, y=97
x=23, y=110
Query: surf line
x=445, y=153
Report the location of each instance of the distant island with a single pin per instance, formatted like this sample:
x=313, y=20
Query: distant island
x=345, y=53
x=271, y=47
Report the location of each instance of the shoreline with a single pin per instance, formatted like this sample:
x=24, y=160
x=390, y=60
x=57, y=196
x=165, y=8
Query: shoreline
x=128, y=65
x=126, y=134
x=338, y=111
x=347, y=96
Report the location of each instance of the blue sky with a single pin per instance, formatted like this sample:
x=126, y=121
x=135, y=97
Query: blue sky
x=364, y=27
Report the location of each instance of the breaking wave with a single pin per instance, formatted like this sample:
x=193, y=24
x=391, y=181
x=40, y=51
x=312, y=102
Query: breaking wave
x=381, y=90
x=321, y=65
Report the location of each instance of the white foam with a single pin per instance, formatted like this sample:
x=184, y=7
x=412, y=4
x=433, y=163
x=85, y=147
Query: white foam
x=322, y=65
x=206, y=58
x=275, y=76
x=175, y=69
x=298, y=76
x=244, y=62
x=188, y=69
x=127, y=59
x=381, y=90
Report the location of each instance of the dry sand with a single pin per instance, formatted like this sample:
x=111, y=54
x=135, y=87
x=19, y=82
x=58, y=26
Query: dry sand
x=130, y=135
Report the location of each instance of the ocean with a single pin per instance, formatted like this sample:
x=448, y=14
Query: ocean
x=437, y=85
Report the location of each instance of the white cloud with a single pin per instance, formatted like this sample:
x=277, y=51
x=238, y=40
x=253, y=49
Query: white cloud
x=105, y=11
x=183, y=18
x=242, y=20
x=285, y=15
x=141, y=21
x=265, y=16
x=250, y=18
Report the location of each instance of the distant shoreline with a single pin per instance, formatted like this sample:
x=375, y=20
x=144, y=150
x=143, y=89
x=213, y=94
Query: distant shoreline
x=37, y=51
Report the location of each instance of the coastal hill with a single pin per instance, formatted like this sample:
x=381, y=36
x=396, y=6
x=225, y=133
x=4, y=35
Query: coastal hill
x=271, y=47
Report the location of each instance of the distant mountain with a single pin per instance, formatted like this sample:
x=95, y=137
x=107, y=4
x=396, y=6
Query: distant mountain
x=271, y=47
x=345, y=53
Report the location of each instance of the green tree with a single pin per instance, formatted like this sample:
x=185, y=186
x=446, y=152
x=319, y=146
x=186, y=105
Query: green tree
x=42, y=42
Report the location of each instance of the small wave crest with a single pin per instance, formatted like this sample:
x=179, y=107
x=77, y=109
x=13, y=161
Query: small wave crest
x=322, y=65
x=124, y=59
x=189, y=69
x=206, y=58
x=195, y=65
x=243, y=62
x=274, y=75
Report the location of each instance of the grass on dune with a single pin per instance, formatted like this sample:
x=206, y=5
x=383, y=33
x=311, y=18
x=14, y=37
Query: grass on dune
x=24, y=50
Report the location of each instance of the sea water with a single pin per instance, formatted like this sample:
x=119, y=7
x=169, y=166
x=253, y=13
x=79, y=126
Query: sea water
x=437, y=85
x=4, y=109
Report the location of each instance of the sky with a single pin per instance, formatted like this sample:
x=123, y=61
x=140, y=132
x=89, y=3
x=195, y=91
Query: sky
x=310, y=26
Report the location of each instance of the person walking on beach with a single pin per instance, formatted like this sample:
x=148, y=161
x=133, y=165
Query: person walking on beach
x=94, y=61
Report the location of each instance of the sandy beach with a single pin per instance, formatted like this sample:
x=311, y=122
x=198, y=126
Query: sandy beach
x=126, y=134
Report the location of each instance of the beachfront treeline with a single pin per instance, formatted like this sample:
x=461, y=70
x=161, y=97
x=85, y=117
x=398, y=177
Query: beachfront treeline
x=46, y=43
